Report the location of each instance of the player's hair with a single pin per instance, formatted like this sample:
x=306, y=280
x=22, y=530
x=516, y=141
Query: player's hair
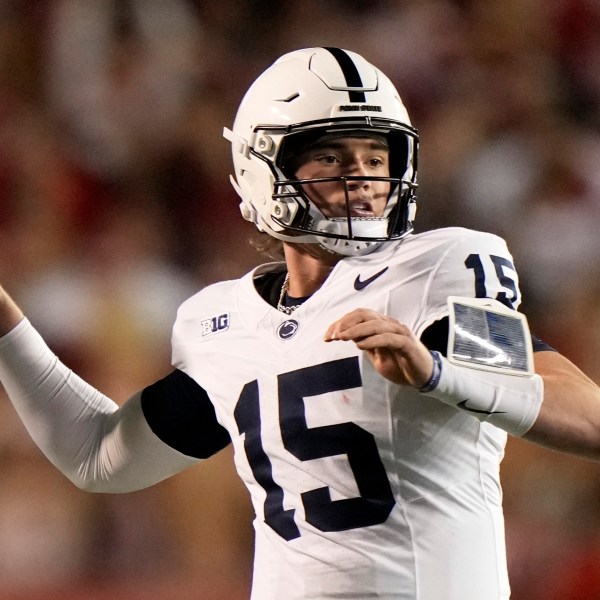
x=267, y=245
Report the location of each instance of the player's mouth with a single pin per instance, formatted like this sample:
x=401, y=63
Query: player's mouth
x=361, y=208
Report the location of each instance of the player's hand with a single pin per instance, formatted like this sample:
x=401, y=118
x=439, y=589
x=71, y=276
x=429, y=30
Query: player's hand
x=396, y=353
x=10, y=313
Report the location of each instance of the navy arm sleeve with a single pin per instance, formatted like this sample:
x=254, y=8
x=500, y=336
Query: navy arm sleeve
x=180, y=414
x=435, y=337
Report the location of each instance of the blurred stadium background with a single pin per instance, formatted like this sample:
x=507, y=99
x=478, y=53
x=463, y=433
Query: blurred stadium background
x=115, y=205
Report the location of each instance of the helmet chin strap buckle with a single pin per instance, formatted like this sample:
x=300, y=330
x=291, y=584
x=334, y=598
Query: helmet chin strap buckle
x=284, y=212
x=412, y=211
x=248, y=213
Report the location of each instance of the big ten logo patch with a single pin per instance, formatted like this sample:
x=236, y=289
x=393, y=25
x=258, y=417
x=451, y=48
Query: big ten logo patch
x=215, y=324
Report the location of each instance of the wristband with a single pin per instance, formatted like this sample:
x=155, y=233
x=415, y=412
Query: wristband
x=509, y=402
x=435, y=375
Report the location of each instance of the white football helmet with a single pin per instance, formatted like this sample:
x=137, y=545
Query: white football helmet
x=303, y=96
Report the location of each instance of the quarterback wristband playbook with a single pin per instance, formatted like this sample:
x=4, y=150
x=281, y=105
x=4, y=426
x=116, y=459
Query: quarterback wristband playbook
x=488, y=371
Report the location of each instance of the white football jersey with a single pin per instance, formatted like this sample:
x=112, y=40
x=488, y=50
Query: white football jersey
x=362, y=489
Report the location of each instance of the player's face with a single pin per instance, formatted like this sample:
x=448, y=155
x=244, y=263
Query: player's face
x=340, y=157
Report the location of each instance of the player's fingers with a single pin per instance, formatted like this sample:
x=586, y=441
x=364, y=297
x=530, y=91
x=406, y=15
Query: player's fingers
x=385, y=340
x=358, y=323
x=376, y=327
x=348, y=320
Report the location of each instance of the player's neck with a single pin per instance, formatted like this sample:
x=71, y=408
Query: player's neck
x=308, y=266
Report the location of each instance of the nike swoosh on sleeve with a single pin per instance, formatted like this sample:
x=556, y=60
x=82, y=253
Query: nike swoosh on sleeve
x=360, y=284
x=464, y=406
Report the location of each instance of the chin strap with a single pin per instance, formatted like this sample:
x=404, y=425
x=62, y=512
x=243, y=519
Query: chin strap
x=347, y=247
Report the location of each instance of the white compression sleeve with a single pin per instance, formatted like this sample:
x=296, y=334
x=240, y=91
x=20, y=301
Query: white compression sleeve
x=507, y=401
x=97, y=445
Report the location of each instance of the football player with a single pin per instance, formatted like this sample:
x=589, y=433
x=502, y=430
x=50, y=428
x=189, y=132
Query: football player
x=367, y=382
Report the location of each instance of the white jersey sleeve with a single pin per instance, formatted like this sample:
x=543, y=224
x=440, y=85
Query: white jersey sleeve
x=469, y=264
x=98, y=445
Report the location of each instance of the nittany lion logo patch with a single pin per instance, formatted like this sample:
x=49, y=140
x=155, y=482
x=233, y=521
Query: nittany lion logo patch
x=287, y=329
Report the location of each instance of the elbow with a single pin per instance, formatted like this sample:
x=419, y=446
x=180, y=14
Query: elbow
x=101, y=486
x=92, y=486
x=101, y=481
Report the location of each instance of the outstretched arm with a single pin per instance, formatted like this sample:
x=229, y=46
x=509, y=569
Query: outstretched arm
x=565, y=410
x=96, y=444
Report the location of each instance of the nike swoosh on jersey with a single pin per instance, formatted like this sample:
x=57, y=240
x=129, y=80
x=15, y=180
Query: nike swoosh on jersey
x=464, y=406
x=360, y=284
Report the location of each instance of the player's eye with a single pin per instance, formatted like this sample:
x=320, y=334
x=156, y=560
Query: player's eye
x=376, y=162
x=328, y=159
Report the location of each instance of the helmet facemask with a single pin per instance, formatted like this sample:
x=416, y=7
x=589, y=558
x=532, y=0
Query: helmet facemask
x=296, y=213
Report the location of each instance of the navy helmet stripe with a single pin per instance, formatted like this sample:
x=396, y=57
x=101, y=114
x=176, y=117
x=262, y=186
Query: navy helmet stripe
x=350, y=73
